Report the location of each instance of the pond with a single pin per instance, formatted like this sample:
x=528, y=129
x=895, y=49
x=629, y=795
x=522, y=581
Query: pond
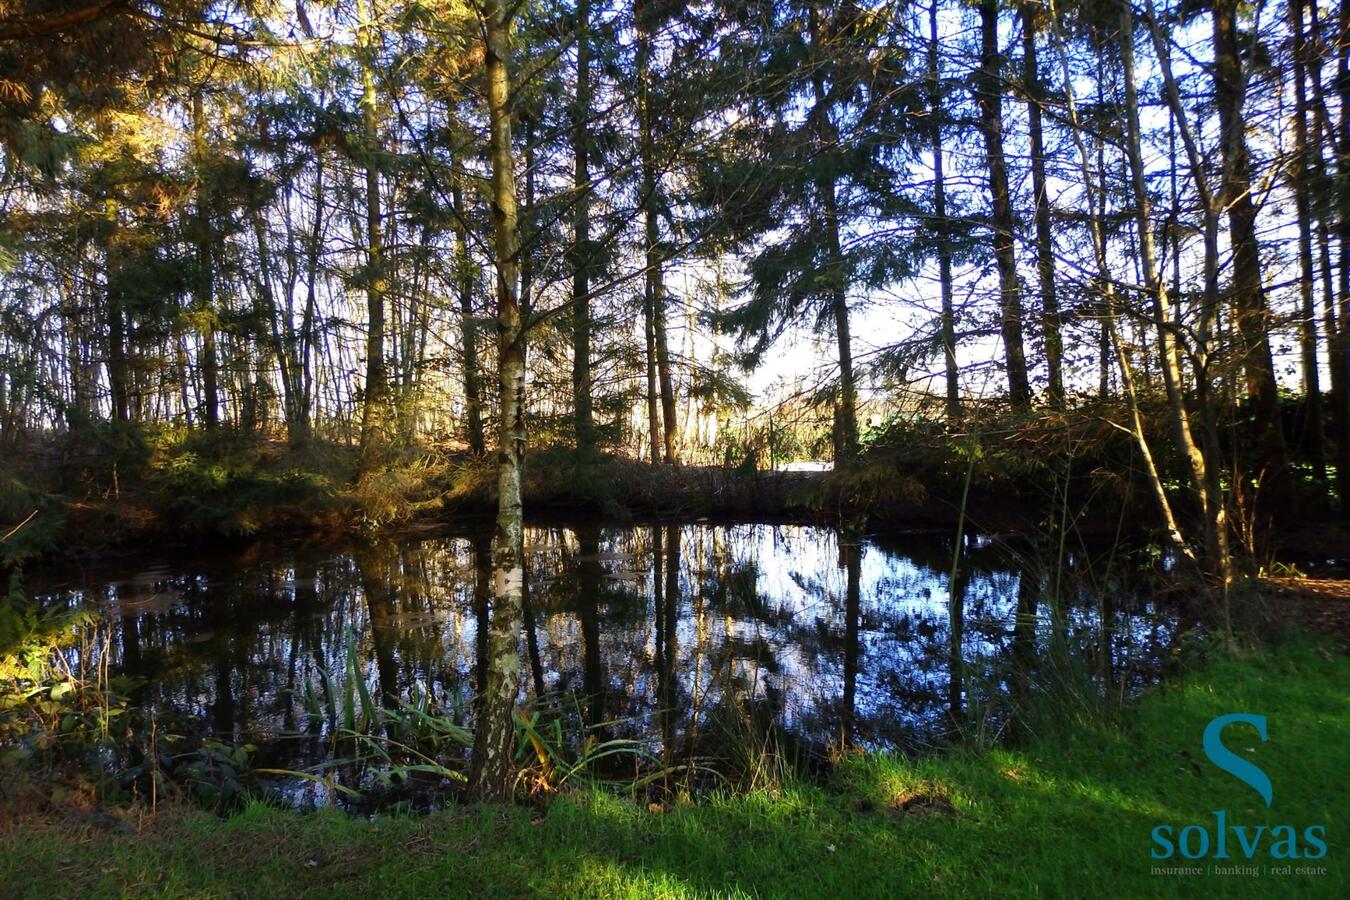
x=673, y=634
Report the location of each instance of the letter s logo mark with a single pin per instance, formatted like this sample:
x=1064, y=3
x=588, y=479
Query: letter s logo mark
x=1229, y=761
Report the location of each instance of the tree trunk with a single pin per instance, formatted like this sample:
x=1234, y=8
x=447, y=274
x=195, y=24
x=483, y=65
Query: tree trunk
x=940, y=221
x=119, y=365
x=583, y=420
x=649, y=330
x=1300, y=172
x=827, y=140
x=658, y=348
x=1045, y=245
x=1248, y=294
x=1338, y=412
x=1341, y=351
x=1096, y=195
x=373, y=409
x=670, y=429
x=493, y=771
x=988, y=96
x=1203, y=478
x=473, y=403
x=283, y=339
x=203, y=284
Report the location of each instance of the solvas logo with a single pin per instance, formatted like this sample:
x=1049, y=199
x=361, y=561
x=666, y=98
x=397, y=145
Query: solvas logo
x=1198, y=841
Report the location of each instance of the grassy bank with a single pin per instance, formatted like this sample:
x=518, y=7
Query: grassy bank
x=1067, y=815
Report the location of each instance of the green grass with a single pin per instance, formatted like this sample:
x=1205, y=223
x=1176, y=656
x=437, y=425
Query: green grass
x=1059, y=817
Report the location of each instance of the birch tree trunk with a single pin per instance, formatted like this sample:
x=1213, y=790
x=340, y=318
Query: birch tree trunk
x=492, y=776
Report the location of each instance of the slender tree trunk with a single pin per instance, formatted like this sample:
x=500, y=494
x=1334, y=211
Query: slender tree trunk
x=468, y=324
x=1338, y=411
x=1300, y=174
x=659, y=376
x=670, y=428
x=1204, y=482
x=827, y=141
x=204, y=283
x=1045, y=245
x=374, y=413
x=282, y=337
x=1096, y=196
x=653, y=409
x=941, y=223
x=119, y=364
x=493, y=771
x=1341, y=351
x=988, y=96
x=583, y=420
x=81, y=408
x=1251, y=312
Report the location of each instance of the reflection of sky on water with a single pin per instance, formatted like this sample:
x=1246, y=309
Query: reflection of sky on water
x=760, y=616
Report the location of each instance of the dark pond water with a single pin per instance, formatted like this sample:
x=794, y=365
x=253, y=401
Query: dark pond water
x=665, y=633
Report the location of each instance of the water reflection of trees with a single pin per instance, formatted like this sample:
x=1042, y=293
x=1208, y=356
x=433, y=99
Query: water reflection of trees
x=651, y=631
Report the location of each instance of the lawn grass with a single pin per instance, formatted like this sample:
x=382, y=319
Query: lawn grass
x=1059, y=817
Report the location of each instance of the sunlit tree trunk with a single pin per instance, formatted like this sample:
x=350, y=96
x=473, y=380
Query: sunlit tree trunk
x=493, y=771
x=1203, y=477
x=1096, y=200
x=988, y=95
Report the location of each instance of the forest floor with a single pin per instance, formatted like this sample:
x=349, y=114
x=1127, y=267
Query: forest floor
x=1071, y=812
